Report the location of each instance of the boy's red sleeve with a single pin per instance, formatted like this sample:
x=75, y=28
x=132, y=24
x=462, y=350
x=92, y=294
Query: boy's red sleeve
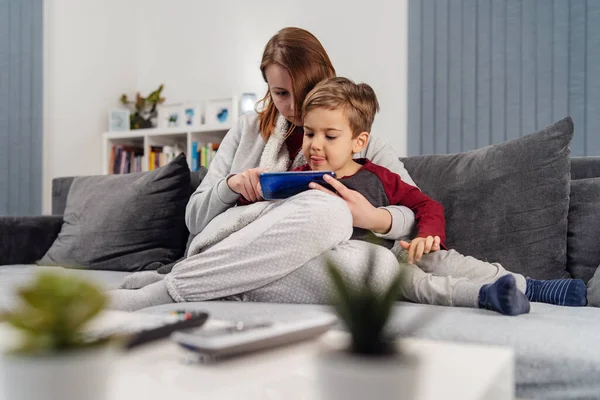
x=428, y=212
x=242, y=201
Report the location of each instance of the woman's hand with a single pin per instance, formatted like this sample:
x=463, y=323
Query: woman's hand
x=419, y=246
x=364, y=215
x=247, y=184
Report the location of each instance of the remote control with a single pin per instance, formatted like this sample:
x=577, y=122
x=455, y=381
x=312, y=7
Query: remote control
x=185, y=320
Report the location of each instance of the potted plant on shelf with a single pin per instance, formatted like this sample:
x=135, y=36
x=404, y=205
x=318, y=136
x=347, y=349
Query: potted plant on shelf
x=145, y=114
x=368, y=361
x=52, y=358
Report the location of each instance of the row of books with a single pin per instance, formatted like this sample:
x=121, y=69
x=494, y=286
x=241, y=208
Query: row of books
x=126, y=159
x=202, y=156
x=160, y=156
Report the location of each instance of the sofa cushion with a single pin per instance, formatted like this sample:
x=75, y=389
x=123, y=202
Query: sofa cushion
x=23, y=240
x=555, y=354
x=61, y=186
x=585, y=167
x=124, y=222
x=60, y=191
x=506, y=203
x=593, y=289
x=583, y=244
x=12, y=277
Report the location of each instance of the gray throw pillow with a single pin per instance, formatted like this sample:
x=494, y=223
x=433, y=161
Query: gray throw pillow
x=506, y=203
x=583, y=249
x=124, y=222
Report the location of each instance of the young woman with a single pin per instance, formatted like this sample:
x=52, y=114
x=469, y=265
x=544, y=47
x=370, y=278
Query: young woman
x=271, y=251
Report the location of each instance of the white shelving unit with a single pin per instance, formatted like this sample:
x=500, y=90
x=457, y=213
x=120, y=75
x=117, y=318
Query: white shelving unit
x=146, y=138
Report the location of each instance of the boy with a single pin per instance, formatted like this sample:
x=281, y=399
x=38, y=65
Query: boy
x=338, y=115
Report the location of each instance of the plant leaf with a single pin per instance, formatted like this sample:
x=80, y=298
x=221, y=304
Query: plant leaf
x=154, y=97
x=29, y=321
x=389, y=299
x=82, y=311
x=343, y=298
x=54, y=308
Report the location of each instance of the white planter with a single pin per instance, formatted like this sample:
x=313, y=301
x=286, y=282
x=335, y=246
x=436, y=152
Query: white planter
x=343, y=375
x=79, y=375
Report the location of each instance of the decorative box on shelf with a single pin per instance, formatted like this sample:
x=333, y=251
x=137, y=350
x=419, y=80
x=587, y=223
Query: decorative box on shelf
x=146, y=149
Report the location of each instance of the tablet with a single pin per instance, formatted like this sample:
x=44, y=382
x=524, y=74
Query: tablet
x=281, y=185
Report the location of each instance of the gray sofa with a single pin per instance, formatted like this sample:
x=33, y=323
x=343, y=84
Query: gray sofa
x=556, y=347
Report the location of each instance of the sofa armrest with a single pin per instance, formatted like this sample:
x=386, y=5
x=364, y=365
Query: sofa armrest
x=25, y=240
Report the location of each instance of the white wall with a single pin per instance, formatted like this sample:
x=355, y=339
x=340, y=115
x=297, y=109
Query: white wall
x=204, y=49
x=90, y=57
x=95, y=50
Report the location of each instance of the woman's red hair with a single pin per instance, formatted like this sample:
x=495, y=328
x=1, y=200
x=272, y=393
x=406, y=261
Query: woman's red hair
x=303, y=56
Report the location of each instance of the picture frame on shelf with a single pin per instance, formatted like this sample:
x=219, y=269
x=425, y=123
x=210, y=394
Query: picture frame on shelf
x=192, y=115
x=118, y=120
x=170, y=116
x=219, y=111
x=247, y=102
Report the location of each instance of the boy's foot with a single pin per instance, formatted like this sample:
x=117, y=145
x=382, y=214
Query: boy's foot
x=504, y=297
x=562, y=292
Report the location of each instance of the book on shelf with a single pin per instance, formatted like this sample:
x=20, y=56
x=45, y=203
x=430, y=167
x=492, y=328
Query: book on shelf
x=125, y=159
x=159, y=156
x=202, y=156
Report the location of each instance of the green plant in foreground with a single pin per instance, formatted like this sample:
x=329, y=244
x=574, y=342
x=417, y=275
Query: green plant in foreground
x=365, y=311
x=53, y=311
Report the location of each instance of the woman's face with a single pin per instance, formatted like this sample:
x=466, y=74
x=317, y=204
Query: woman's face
x=280, y=86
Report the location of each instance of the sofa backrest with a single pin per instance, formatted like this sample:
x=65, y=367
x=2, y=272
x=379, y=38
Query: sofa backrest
x=585, y=167
x=61, y=186
x=581, y=168
x=583, y=252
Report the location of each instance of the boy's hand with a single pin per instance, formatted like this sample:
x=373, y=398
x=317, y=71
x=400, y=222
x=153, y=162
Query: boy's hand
x=419, y=246
x=364, y=215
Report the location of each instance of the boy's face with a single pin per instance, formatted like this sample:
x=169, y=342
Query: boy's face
x=328, y=144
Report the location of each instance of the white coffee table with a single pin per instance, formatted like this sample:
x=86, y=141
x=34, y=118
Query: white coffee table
x=455, y=371
x=157, y=371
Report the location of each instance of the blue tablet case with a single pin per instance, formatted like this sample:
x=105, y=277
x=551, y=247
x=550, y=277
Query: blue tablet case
x=281, y=185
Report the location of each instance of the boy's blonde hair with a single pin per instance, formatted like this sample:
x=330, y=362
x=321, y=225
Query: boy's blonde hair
x=358, y=101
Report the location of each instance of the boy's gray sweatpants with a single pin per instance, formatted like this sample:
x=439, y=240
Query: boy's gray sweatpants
x=282, y=257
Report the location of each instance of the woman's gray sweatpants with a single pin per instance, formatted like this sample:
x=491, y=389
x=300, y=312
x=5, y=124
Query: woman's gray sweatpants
x=282, y=257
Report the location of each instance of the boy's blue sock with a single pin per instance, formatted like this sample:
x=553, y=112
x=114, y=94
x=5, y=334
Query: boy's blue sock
x=562, y=292
x=504, y=297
